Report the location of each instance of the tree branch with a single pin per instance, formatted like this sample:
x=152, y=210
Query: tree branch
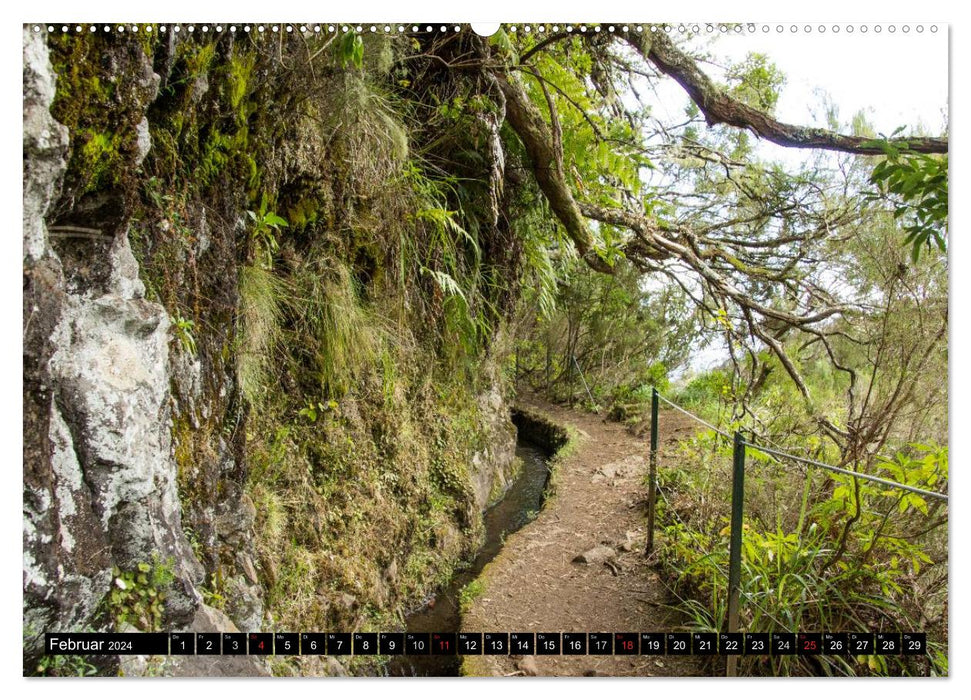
x=543, y=44
x=547, y=166
x=720, y=108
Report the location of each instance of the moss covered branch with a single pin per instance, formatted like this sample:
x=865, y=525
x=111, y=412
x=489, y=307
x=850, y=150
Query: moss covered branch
x=720, y=108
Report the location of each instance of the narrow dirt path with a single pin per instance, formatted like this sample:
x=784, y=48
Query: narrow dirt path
x=533, y=585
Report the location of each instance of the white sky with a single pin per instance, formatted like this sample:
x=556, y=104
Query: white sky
x=900, y=78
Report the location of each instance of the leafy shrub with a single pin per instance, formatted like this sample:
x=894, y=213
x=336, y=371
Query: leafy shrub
x=137, y=597
x=849, y=556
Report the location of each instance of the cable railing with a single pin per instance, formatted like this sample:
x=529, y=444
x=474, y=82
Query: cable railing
x=848, y=472
x=705, y=423
x=739, y=450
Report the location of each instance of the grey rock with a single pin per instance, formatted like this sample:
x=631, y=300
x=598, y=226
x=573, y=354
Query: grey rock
x=45, y=144
x=203, y=240
x=597, y=555
x=631, y=541
x=236, y=521
x=495, y=462
x=143, y=142
x=528, y=666
x=245, y=604
x=186, y=371
x=626, y=467
x=246, y=564
x=199, y=88
x=209, y=619
x=247, y=510
x=124, y=270
x=335, y=667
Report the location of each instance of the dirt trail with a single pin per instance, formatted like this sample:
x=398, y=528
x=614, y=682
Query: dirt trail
x=534, y=585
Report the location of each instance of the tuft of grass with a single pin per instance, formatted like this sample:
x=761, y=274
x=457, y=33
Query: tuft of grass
x=334, y=328
x=371, y=138
x=260, y=294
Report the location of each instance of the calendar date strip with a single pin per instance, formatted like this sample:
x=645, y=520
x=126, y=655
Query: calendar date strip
x=487, y=643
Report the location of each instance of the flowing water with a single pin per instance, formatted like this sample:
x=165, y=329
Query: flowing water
x=520, y=505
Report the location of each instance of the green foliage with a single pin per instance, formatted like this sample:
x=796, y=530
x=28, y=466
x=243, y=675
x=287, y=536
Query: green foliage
x=240, y=75
x=875, y=556
x=915, y=185
x=756, y=81
x=626, y=338
x=539, y=266
x=469, y=593
x=793, y=577
x=928, y=471
x=266, y=226
x=351, y=50
x=313, y=410
x=600, y=151
x=362, y=342
x=192, y=149
x=451, y=257
x=503, y=43
x=214, y=595
x=65, y=666
x=102, y=116
x=137, y=597
x=183, y=328
x=704, y=389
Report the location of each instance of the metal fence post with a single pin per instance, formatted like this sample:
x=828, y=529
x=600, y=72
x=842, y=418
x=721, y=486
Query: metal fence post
x=652, y=474
x=735, y=541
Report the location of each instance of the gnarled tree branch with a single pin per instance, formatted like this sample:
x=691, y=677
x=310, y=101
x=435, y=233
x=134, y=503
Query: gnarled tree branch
x=720, y=108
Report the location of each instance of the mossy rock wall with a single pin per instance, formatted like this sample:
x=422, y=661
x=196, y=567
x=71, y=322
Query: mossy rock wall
x=539, y=430
x=327, y=250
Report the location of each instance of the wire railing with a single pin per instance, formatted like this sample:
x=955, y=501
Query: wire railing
x=848, y=472
x=740, y=448
x=705, y=423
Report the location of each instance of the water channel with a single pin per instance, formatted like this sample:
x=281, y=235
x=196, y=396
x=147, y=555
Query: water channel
x=522, y=502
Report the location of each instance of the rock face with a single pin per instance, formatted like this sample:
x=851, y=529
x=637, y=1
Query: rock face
x=99, y=481
x=99, y=475
x=45, y=146
x=110, y=413
x=491, y=466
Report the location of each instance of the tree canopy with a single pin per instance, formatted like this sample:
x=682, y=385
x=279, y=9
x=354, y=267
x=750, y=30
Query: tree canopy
x=751, y=243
